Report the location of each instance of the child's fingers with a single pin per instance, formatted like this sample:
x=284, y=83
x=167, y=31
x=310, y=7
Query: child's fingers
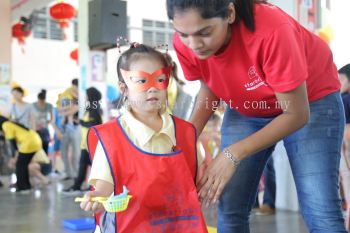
x=88, y=206
x=97, y=207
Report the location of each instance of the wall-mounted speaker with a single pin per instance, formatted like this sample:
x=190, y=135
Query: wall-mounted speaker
x=107, y=20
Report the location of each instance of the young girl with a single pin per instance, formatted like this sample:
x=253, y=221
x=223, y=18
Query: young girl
x=148, y=151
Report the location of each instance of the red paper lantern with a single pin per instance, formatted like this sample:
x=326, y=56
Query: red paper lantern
x=74, y=55
x=20, y=33
x=62, y=12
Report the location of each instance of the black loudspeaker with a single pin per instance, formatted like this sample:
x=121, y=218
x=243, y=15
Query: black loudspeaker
x=107, y=21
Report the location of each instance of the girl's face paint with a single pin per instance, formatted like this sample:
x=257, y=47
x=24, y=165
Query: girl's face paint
x=141, y=81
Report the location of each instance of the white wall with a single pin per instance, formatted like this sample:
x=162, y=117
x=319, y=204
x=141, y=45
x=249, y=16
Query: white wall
x=44, y=64
x=288, y=6
x=340, y=22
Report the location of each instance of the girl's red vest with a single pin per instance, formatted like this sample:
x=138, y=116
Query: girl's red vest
x=164, y=197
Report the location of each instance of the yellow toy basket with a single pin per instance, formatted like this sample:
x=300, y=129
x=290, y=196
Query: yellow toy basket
x=110, y=205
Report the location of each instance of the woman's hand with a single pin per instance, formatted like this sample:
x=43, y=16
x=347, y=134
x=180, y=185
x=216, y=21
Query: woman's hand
x=214, y=180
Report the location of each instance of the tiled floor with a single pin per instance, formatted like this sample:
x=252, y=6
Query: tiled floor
x=43, y=210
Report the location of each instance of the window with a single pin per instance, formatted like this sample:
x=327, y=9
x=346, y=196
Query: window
x=157, y=32
x=40, y=24
x=160, y=38
x=44, y=27
x=148, y=37
x=75, y=28
x=56, y=32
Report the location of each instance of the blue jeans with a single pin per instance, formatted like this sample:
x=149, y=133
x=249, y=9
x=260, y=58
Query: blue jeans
x=269, y=183
x=314, y=156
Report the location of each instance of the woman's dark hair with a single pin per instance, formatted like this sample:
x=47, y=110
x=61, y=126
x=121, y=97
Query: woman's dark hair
x=18, y=89
x=93, y=105
x=135, y=52
x=93, y=97
x=215, y=8
x=42, y=94
x=345, y=70
x=75, y=82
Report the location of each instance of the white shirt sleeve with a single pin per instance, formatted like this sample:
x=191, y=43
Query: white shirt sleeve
x=100, y=169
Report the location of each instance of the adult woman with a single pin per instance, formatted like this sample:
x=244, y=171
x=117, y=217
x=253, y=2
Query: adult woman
x=280, y=82
x=21, y=111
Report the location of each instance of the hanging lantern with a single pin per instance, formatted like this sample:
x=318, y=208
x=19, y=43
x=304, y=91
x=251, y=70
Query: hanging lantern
x=20, y=32
x=62, y=12
x=75, y=55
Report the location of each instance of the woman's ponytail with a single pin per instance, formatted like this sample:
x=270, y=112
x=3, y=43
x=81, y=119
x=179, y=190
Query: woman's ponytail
x=245, y=11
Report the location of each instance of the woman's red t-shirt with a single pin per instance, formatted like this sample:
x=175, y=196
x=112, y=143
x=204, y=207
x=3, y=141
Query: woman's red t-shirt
x=277, y=57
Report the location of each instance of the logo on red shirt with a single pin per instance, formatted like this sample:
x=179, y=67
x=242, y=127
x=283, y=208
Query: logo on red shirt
x=255, y=80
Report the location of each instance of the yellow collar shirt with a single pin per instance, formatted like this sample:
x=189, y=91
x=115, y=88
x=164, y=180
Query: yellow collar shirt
x=146, y=138
x=142, y=137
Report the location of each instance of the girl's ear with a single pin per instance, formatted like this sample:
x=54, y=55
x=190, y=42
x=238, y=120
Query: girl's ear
x=231, y=13
x=123, y=89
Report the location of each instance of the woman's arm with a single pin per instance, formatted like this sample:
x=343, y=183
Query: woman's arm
x=203, y=108
x=295, y=115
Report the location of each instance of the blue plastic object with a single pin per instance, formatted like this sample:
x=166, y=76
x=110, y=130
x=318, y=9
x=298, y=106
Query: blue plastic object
x=79, y=224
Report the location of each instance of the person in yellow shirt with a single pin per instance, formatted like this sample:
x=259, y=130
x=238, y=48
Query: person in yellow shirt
x=39, y=167
x=68, y=108
x=92, y=117
x=24, y=141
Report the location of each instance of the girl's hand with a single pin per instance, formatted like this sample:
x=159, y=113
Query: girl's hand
x=214, y=180
x=91, y=205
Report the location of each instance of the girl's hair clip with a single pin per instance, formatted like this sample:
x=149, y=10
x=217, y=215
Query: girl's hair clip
x=135, y=45
x=119, y=39
x=162, y=46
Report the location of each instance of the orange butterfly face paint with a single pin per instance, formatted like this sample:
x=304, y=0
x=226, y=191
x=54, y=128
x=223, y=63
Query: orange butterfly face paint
x=141, y=81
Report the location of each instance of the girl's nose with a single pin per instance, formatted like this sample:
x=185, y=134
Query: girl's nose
x=152, y=90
